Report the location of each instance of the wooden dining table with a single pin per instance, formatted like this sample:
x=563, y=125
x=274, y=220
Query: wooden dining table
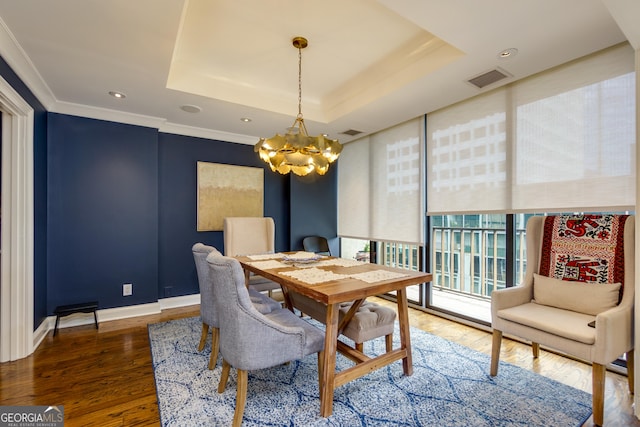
x=349, y=281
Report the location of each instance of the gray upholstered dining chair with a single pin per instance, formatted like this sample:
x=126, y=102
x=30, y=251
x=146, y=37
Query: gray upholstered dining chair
x=250, y=340
x=208, y=312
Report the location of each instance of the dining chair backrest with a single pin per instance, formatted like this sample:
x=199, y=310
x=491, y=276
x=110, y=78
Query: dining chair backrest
x=248, y=235
x=251, y=236
x=317, y=244
x=251, y=340
x=207, y=306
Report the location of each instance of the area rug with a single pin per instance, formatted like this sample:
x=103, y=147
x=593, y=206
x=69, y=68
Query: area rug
x=450, y=386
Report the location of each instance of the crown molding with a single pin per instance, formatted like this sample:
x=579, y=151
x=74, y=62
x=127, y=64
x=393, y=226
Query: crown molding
x=98, y=113
x=178, y=129
x=21, y=64
x=149, y=121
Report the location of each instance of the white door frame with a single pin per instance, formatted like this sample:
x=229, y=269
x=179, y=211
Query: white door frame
x=16, y=210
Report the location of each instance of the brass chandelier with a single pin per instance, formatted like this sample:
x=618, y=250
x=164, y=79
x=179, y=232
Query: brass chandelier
x=296, y=151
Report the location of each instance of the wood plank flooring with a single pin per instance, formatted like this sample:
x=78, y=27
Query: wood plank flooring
x=104, y=377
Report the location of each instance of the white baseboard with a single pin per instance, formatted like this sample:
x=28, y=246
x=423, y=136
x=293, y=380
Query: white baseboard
x=108, y=314
x=118, y=313
x=176, y=302
x=42, y=331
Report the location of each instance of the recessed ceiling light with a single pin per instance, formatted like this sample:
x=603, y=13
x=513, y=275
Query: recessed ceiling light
x=118, y=95
x=508, y=53
x=245, y=119
x=191, y=108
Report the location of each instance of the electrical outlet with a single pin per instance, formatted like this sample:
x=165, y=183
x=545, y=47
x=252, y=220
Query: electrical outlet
x=127, y=289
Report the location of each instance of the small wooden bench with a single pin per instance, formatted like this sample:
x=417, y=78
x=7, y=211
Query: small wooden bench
x=66, y=310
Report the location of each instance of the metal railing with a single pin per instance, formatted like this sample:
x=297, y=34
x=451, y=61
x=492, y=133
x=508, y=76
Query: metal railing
x=472, y=261
x=466, y=261
x=400, y=255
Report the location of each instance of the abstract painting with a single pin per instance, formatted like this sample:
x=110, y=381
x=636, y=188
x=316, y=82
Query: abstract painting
x=226, y=191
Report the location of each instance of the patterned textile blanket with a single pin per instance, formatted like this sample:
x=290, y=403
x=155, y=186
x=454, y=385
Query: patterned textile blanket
x=585, y=248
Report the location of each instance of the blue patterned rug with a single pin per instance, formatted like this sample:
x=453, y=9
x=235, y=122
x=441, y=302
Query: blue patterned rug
x=450, y=386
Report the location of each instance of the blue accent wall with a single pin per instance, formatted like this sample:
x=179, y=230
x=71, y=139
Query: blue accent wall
x=314, y=207
x=103, y=212
x=177, y=209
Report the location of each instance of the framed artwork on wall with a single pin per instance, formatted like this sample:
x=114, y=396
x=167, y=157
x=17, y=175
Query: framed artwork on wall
x=228, y=190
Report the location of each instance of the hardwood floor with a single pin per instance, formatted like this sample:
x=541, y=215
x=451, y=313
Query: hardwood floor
x=104, y=377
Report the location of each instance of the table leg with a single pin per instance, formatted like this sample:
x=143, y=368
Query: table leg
x=287, y=298
x=247, y=277
x=329, y=361
x=405, y=338
x=347, y=317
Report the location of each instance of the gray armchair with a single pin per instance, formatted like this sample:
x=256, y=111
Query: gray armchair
x=208, y=312
x=595, y=287
x=250, y=340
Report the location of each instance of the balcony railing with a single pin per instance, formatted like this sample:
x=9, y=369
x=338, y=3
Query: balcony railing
x=400, y=255
x=471, y=261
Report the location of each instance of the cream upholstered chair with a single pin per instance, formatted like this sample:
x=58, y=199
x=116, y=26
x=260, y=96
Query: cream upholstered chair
x=250, y=236
x=250, y=340
x=556, y=313
x=208, y=312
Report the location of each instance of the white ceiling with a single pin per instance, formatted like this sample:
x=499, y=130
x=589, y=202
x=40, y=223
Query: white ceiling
x=369, y=65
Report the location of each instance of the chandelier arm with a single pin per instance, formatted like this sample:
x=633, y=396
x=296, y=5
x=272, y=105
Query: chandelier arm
x=303, y=128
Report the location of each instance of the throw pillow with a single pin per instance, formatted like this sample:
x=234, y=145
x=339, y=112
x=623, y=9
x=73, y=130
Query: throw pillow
x=583, y=297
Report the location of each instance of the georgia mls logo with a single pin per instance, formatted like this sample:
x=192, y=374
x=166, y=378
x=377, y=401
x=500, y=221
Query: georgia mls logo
x=53, y=408
x=32, y=416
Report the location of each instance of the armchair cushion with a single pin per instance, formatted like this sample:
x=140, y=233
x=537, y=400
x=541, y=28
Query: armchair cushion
x=552, y=320
x=588, y=298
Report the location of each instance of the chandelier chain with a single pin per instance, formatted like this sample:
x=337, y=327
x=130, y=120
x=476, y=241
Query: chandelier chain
x=299, y=81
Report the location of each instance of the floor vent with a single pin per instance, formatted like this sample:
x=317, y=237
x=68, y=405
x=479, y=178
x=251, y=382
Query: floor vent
x=490, y=77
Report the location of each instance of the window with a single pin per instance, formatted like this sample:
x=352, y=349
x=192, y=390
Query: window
x=559, y=141
x=380, y=186
x=562, y=140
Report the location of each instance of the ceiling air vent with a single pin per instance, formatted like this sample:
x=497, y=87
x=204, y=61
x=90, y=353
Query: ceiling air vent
x=351, y=132
x=490, y=77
